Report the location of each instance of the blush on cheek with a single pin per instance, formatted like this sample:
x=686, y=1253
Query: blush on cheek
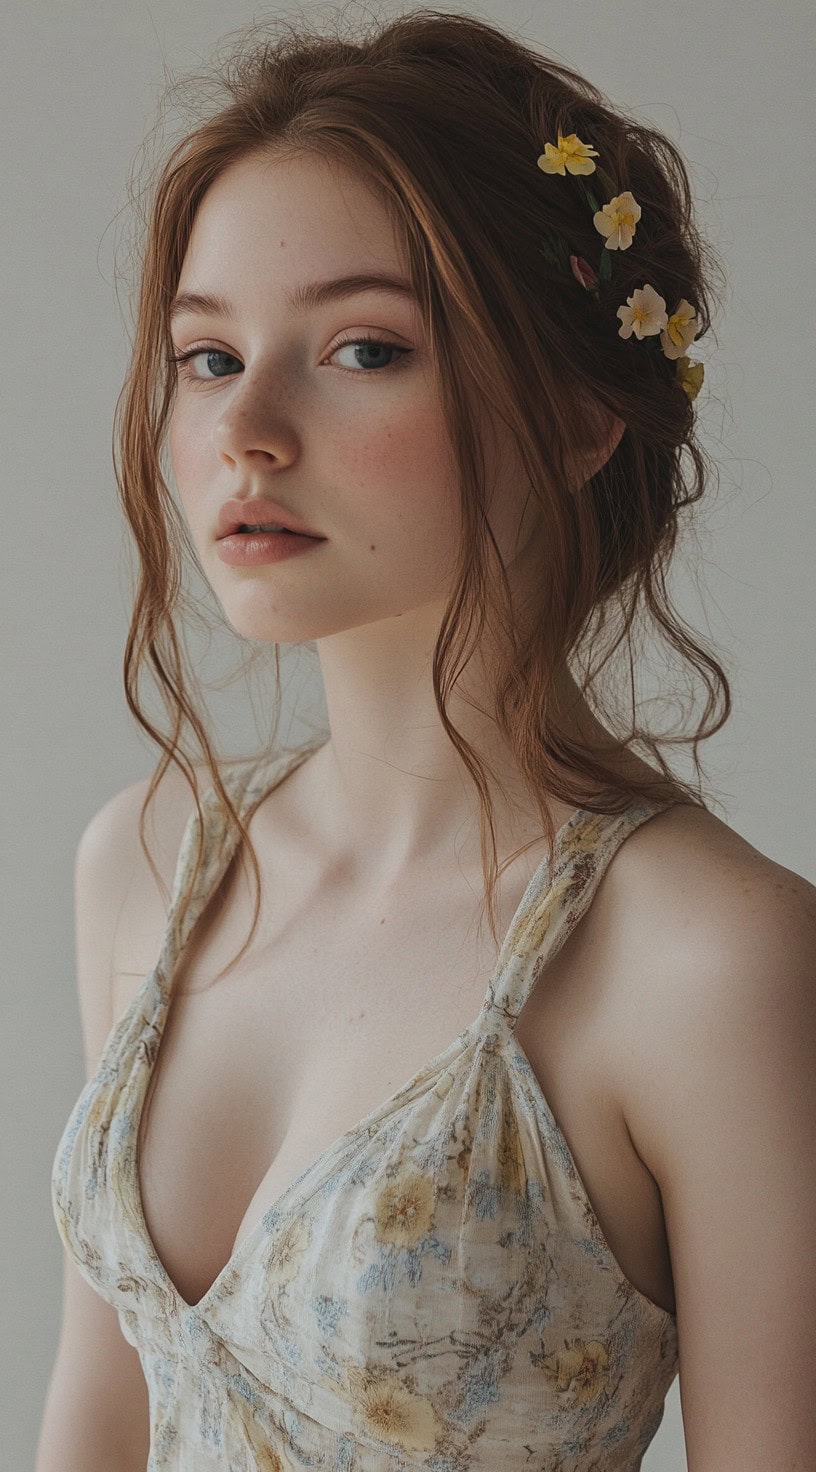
x=188, y=461
x=404, y=462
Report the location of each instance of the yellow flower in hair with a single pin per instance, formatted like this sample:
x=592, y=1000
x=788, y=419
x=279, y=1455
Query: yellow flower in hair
x=690, y=376
x=570, y=154
x=645, y=313
x=681, y=330
x=617, y=220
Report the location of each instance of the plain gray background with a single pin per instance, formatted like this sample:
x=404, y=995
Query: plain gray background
x=732, y=85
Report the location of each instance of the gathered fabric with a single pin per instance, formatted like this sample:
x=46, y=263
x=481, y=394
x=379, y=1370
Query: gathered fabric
x=433, y=1291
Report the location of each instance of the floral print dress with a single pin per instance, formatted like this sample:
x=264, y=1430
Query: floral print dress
x=433, y=1291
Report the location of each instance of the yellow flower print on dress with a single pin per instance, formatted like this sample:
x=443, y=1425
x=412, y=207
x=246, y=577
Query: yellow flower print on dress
x=579, y=1372
x=404, y=1209
x=283, y=1260
x=392, y=1411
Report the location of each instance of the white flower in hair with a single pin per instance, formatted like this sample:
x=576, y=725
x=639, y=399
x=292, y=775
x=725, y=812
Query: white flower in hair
x=617, y=220
x=645, y=313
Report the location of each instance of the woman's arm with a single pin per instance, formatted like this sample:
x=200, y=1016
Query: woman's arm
x=96, y=1411
x=723, y=1030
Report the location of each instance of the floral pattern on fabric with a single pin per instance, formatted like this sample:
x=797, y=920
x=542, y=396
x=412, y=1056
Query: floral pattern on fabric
x=433, y=1291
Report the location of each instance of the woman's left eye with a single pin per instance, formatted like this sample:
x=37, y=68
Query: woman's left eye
x=367, y=342
x=185, y=360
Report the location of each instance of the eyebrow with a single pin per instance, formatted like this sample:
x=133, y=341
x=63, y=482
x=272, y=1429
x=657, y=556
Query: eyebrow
x=311, y=294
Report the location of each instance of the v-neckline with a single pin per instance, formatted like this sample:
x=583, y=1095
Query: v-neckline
x=542, y=873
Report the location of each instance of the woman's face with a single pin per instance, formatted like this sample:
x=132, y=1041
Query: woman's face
x=348, y=439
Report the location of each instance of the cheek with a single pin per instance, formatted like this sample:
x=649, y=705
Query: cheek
x=187, y=456
x=395, y=473
x=382, y=478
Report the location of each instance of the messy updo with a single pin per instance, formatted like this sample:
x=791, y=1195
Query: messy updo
x=445, y=115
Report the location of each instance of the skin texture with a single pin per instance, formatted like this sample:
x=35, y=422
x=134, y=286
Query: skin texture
x=361, y=454
x=703, y=970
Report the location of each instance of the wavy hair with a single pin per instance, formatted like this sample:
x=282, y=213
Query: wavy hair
x=444, y=115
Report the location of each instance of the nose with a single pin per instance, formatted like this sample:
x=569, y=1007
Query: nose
x=252, y=425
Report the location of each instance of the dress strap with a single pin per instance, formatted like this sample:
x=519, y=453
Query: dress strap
x=247, y=783
x=554, y=902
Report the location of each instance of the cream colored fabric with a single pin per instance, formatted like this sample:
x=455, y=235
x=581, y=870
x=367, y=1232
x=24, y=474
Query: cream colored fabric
x=433, y=1291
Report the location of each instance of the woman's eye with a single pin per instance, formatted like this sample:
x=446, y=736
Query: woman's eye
x=368, y=354
x=184, y=362
x=368, y=346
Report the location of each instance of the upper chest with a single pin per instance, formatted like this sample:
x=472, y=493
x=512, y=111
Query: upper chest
x=339, y=1000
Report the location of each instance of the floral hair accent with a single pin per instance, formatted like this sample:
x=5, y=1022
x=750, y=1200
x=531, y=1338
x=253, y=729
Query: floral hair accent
x=645, y=312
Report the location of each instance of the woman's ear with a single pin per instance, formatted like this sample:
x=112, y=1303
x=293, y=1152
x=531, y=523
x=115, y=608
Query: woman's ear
x=600, y=434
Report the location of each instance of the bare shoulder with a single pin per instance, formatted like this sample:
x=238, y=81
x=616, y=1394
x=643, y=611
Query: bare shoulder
x=705, y=931
x=715, y=1019
x=688, y=884
x=692, y=844
x=111, y=841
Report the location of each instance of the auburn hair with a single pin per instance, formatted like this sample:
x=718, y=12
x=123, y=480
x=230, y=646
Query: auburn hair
x=444, y=116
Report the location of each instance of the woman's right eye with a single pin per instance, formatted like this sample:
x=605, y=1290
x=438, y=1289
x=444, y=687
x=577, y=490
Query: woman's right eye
x=184, y=361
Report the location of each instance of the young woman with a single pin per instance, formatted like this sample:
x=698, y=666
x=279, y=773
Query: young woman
x=378, y=1191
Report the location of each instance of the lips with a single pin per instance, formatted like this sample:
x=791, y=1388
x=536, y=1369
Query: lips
x=258, y=511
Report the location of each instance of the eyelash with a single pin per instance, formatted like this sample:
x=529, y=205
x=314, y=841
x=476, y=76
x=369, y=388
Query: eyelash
x=182, y=359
